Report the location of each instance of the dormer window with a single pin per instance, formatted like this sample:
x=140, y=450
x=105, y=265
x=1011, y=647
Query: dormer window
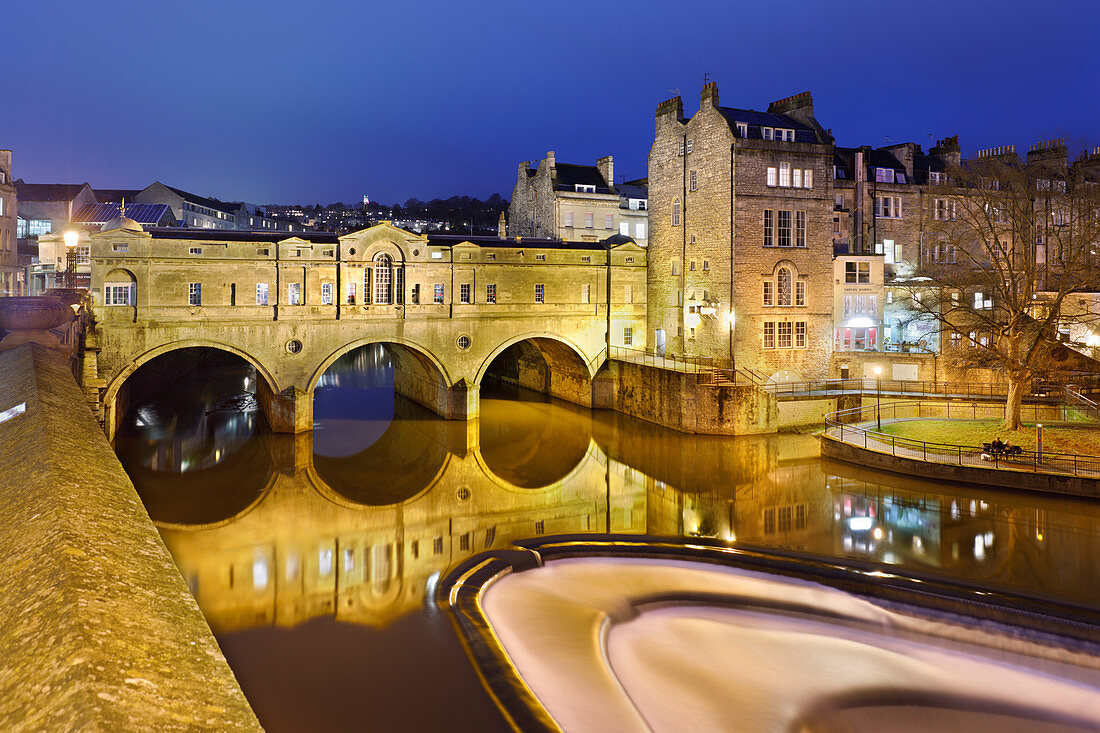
x=935, y=177
x=3, y=177
x=742, y=129
x=839, y=173
x=767, y=133
x=884, y=175
x=585, y=188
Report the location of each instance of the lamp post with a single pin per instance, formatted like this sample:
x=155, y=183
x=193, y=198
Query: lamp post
x=1038, y=443
x=71, y=239
x=878, y=397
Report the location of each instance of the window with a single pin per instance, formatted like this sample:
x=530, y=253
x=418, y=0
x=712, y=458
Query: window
x=675, y=212
x=784, y=228
x=540, y=293
x=437, y=293
x=800, y=293
x=884, y=175
x=769, y=227
x=628, y=293
x=838, y=201
x=773, y=177
x=691, y=265
x=624, y=228
x=294, y=293
x=783, y=335
x=586, y=293
x=568, y=219
x=639, y=230
x=769, y=293
x=589, y=221
x=326, y=293
x=935, y=177
x=769, y=334
x=196, y=250
x=783, y=286
x=767, y=133
x=491, y=256
x=839, y=172
x=742, y=129
x=416, y=293
x=84, y=254
x=437, y=546
x=857, y=272
x=383, y=279
x=706, y=265
x=351, y=294
x=808, y=178
x=540, y=258
x=608, y=221
x=628, y=336
x=491, y=293
x=681, y=147
x=784, y=175
x=464, y=292
x=800, y=334
x=797, y=178
x=586, y=258
x=888, y=207
x=689, y=145
x=120, y=247
x=888, y=251
x=584, y=188
x=119, y=293
x=675, y=266
x=836, y=225
x=800, y=229
x=261, y=293
x=693, y=181
x=194, y=293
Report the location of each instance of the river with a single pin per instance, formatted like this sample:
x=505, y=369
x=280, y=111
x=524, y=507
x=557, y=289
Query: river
x=311, y=555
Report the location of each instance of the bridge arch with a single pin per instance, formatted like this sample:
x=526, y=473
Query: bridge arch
x=423, y=356
x=565, y=371
x=112, y=410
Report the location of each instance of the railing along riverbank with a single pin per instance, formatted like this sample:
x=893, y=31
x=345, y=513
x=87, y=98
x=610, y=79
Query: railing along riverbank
x=851, y=427
x=951, y=390
x=678, y=363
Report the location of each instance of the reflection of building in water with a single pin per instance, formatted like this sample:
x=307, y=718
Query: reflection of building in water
x=306, y=550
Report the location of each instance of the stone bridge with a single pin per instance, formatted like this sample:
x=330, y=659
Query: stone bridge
x=445, y=306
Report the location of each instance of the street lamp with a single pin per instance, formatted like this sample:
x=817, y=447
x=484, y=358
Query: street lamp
x=878, y=397
x=71, y=239
x=1039, y=443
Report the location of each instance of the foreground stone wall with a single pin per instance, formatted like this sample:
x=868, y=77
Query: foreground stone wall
x=97, y=627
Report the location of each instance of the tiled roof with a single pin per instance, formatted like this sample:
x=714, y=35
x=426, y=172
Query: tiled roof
x=580, y=175
x=803, y=133
x=47, y=191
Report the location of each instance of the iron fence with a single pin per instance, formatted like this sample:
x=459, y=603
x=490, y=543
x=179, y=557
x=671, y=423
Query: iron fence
x=674, y=362
x=849, y=426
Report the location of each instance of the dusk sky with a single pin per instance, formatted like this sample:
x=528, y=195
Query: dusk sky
x=316, y=102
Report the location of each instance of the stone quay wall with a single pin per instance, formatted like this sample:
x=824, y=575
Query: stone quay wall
x=97, y=627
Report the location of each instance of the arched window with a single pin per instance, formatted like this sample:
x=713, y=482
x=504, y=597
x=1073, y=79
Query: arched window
x=120, y=288
x=383, y=279
x=783, y=286
x=675, y=212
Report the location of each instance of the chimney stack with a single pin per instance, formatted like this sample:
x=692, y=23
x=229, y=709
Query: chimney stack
x=606, y=166
x=709, y=96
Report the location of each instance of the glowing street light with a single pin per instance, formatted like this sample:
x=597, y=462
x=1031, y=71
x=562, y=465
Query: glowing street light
x=878, y=397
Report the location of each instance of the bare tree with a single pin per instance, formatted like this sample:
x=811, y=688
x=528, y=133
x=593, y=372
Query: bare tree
x=1007, y=248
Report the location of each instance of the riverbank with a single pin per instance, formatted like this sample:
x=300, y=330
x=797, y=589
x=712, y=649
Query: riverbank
x=1083, y=439
x=98, y=628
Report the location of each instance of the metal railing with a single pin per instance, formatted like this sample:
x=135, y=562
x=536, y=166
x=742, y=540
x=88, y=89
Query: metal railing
x=891, y=387
x=849, y=426
x=1090, y=409
x=674, y=362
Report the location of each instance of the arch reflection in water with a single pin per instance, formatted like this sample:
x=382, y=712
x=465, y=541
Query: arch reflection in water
x=331, y=538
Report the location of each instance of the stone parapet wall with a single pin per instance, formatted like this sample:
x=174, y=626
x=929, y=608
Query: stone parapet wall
x=97, y=627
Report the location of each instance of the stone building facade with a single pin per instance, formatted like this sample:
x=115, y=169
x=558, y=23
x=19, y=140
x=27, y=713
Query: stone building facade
x=741, y=245
x=11, y=278
x=576, y=202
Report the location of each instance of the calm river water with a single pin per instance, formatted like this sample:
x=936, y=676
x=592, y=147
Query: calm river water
x=311, y=555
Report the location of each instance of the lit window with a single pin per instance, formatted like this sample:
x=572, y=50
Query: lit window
x=194, y=293
x=783, y=286
x=624, y=228
x=540, y=293
x=797, y=182
x=464, y=293
x=769, y=293
x=675, y=212
x=119, y=293
x=628, y=336
x=383, y=279
x=639, y=230
x=773, y=176
x=783, y=228
x=261, y=293
x=808, y=178
x=437, y=292
x=783, y=335
x=294, y=293
x=351, y=294
x=326, y=293
x=784, y=175
x=884, y=175
x=491, y=293
x=800, y=293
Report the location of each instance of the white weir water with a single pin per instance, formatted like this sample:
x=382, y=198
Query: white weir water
x=606, y=646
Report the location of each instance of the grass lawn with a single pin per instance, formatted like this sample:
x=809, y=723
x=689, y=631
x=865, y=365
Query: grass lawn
x=1056, y=439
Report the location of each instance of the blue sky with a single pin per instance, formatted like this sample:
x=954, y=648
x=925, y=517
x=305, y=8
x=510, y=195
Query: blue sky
x=282, y=101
